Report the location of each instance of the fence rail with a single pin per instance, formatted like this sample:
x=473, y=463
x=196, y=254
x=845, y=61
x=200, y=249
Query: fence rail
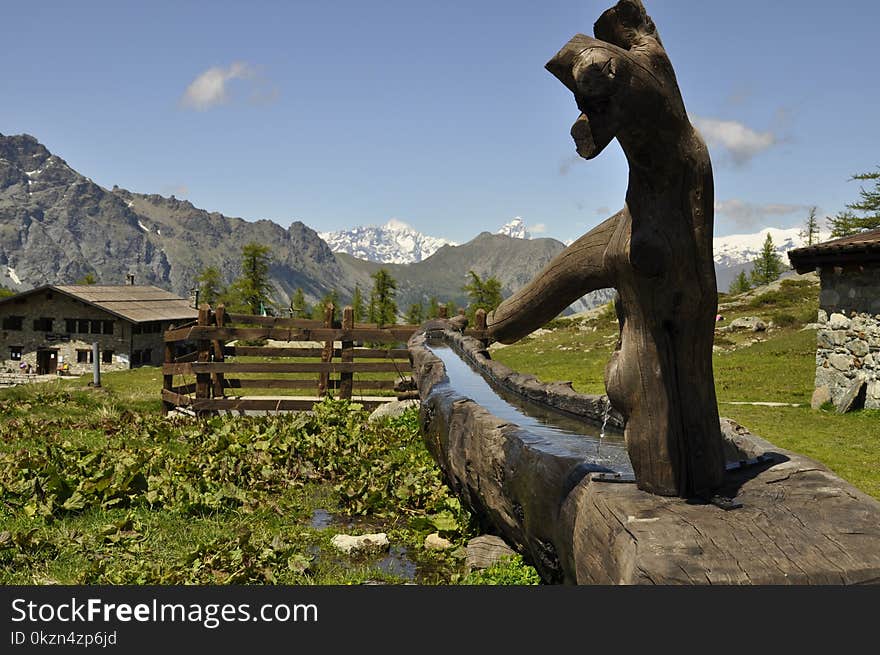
x=208, y=377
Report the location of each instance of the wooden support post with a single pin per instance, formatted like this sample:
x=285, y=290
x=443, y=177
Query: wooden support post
x=168, y=380
x=480, y=324
x=217, y=378
x=346, y=379
x=203, y=347
x=327, y=352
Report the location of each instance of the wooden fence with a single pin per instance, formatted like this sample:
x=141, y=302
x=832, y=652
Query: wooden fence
x=204, y=372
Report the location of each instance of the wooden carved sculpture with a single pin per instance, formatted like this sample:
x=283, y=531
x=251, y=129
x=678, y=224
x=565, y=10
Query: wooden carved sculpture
x=656, y=252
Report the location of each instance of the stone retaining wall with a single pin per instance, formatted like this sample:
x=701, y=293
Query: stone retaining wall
x=848, y=360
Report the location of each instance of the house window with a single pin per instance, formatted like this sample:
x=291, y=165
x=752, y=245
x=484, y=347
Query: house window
x=15, y=353
x=147, y=357
x=107, y=327
x=84, y=357
x=70, y=325
x=13, y=322
x=135, y=329
x=43, y=324
x=135, y=357
x=107, y=356
x=97, y=327
x=82, y=326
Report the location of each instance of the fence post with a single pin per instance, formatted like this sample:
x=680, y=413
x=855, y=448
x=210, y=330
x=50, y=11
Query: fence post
x=96, y=365
x=346, y=379
x=442, y=311
x=327, y=352
x=480, y=324
x=203, y=346
x=220, y=317
x=168, y=380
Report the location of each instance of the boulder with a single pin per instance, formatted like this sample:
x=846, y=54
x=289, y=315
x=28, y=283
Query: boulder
x=435, y=542
x=486, y=550
x=853, y=398
x=743, y=323
x=839, y=322
x=821, y=396
x=361, y=544
x=393, y=408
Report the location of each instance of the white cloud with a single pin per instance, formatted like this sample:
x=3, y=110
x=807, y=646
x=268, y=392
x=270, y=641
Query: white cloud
x=538, y=228
x=741, y=142
x=210, y=88
x=746, y=214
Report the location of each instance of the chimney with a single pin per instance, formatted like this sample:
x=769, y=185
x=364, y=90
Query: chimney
x=129, y=279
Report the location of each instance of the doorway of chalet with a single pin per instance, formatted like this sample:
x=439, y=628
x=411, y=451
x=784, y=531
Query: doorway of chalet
x=47, y=361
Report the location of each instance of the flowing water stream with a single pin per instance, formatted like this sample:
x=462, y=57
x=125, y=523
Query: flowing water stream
x=547, y=429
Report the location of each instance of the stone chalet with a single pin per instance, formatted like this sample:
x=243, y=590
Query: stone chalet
x=53, y=327
x=848, y=337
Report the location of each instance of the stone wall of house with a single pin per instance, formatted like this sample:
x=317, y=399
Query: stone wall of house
x=58, y=307
x=851, y=289
x=848, y=358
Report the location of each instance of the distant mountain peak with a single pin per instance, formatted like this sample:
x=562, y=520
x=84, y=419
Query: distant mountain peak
x=516, y=229
x=736, y=249
x=396, y=242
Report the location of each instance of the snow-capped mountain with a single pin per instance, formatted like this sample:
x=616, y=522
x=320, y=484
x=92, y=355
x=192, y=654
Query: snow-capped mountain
x=736, y=249
x=392, y=243
x=516, y=229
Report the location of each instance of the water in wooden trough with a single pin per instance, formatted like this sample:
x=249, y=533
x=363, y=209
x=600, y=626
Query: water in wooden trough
x=549, y=430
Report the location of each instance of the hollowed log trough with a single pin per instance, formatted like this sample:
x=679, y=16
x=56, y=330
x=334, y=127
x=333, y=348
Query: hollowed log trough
x=798, y=522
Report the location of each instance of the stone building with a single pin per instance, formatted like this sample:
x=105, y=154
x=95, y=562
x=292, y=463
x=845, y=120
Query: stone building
x=52, y=328
x=848, y=337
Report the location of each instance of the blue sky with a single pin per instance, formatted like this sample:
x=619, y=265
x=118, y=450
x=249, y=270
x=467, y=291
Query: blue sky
x=438, y=114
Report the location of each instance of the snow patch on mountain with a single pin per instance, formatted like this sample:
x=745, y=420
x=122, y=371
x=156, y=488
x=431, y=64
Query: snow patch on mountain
x=515, y=229
x=735, y=249
x=393, y=243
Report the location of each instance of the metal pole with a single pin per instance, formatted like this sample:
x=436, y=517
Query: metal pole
x=96, y=365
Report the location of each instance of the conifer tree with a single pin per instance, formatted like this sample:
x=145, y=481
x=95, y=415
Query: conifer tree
x=740, y=284
x=768, y=266
x=382, y=309
x=357, y=305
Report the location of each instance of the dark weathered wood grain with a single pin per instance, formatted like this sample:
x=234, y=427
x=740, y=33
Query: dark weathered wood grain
x=656, y=252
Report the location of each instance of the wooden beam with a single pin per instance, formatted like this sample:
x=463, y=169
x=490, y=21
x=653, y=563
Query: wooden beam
x=347, y=355
x=284, y=367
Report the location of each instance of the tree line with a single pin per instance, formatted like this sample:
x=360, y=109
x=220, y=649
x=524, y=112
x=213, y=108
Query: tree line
x=252, y=293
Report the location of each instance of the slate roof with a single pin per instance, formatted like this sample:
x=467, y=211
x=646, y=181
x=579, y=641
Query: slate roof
x=861, y=248
x=137, y=304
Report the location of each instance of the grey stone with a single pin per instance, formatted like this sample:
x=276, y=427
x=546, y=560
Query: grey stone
x=752, y=323
x=485, y=550
x=435, y=542
x=812, y=326
x=840, y=362
x=857, y=347
x=839, y=322
x=393, y=408
x=822, y=316
x=358, y=544
x=821, y=396
x=853, y=398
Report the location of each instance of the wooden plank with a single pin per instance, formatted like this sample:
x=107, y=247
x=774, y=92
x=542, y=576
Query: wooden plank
x=381, y=353
x=280, y=404
x=203, y=346
x=217, y=347
x=188, y=357
x=347, y=355
x=266, y=351
x=177, y=369
x=167, y=379
x=384, y=335
x=326, y=351
x=175, y=399
x=271, y=383
x=273, y=321
x=296, y=367
x=185, y=388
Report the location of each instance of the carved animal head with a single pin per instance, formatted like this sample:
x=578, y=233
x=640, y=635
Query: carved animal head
x=622, y=80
